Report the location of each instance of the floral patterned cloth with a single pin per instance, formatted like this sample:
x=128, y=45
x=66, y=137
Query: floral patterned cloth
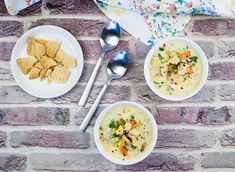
x=14, y=6
x=152, y=20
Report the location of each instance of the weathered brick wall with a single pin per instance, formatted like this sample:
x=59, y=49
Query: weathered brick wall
x=197, y=134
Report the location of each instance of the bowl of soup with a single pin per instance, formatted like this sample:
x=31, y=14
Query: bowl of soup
x=176, y=69
x=125, y=133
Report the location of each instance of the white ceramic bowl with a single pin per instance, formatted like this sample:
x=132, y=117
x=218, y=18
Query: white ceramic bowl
x=148, y=149
x=186, y=42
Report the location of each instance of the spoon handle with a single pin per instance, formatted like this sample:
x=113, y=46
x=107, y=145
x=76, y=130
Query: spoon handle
x=91, y=112
x=87, y=90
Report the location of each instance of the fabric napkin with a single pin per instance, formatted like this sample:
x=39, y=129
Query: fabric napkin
x=152, y=20
x=14, y=6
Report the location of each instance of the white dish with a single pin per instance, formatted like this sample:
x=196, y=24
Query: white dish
x=202, y=56
x=39, y=88
x=148, y=149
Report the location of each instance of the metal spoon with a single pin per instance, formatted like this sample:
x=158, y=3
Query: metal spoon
x=116, y=68
x=108, y=41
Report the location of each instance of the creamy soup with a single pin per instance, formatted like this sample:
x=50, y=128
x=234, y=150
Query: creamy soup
x=125, y=132
x=175, y=69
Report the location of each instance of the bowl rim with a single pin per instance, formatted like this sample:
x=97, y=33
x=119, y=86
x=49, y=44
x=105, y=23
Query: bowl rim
x=202, y=55
x=113, y=158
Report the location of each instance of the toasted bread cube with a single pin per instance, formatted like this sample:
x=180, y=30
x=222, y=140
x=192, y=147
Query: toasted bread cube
x=59, y=74
x=26, y=64
x=69, y=61
x=38, y=65
x=41, y=41
x=60, y=55
x=35, y=49
x=34, y=73
x=47, y=62
x=52, y=48
x=43, y=74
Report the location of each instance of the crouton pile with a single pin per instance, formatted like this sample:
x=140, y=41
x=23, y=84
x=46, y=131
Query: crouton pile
x=46, y=61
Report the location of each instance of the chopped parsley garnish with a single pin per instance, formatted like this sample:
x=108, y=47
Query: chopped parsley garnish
x=132, y=117
x=101, y=128
x=193, y=64
x=112, y=124
x=193, y=59
x=174, y=66
x=161, y=49
x=122, y=121
x=133, y=147
x=114, y=135
x=160, y=56
x=155, y=82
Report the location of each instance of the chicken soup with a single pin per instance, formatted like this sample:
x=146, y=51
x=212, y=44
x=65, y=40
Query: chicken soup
x=125, y=132
x=175, y=69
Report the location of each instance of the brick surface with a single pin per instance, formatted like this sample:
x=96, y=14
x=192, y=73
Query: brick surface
x=72, y=7
x=185, y=138
x=5, y=73
x=146, y=95
x=214, y=27
x=195, y=115
x=11, y=28
x=227, y=92
x=12, y=162
x=78, y=27
x=218, y=160
x=34, y=116
x=226, y=49
x=141, y=50
x=3, y=9
x=162, y=161
x=222, y=71
x=207, y=47
x=14, y=94
x=44, y=138
x=228, y=138
x=66, y=161
x=5, y=50
x=92, y=49
x=113, y=94
x=3, y=139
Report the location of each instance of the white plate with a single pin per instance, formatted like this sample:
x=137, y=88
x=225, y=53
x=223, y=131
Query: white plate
x=39, y=88
x=186, y=42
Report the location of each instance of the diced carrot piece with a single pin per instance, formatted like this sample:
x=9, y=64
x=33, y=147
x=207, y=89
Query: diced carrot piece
x=133, y=122
x=123, y=150
x=190, y=70
x=185, y=54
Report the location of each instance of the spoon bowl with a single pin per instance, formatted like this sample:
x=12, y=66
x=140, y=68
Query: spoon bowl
x=117, y=65
x=110, y=36
x=116, y=68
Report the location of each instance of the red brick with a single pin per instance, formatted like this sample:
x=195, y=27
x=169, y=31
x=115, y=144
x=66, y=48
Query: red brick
x=113, y=94
x=218, y=160
x=70, y=161
x=214, y=27
x=34, y=116
x=227, y=92
x=185, y=138
x=145, y=95
x=92, y=49
x=12, y=162
x=140, y=50
x=207, y=47
x=14, y=94
x=44, y=138
x=3, y=139
x=162, y=162
x=222, y=71
x=11, y=28
x=226, y=49
x=5, y=73
x=78, y=27
x=227, y=138
x=72, y=7
x=5, y=50
x=3, y=9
